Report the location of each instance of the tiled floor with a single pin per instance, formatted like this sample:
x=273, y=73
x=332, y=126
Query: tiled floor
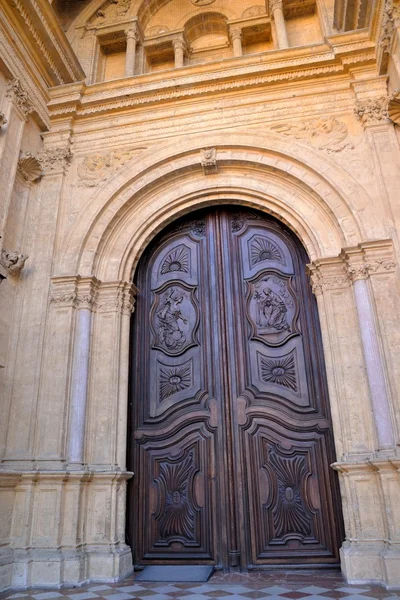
x=292, y=585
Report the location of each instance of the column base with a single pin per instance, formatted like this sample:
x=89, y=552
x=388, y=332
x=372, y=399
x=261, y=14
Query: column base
x=371, y=563
x=6, y=568
x=34, y=568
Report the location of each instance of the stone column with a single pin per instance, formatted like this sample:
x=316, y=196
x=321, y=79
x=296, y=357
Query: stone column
x=372, y=353
x=80, y=370
x=15, y=112
x=236, y=37
x=179, y=50
x=132, y=37
x=276, y=9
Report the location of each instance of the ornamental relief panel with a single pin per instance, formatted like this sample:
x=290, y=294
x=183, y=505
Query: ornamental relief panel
x=323, y=133
x=95, y=169
x=174, y=319
x=272, y=309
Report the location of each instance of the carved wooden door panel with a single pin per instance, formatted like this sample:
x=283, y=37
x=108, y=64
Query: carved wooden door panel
x=231, y=435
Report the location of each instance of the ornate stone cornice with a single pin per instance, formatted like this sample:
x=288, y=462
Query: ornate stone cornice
x=29, y=166
x=354, y=263
x=19, y=97
x=372, y=111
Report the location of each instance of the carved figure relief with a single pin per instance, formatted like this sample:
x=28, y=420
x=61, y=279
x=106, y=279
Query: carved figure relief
x=290, y=514
x=272, y=309
x=177, y=260
x=324, y=133
x=96, y=168
x=177, y=513
x=208, y=160
x=174, y=379
x=280, y=370
x=174, y=320
x=262, y=249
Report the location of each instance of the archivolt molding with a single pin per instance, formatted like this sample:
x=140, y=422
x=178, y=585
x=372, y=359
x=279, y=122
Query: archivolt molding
x=289, y=180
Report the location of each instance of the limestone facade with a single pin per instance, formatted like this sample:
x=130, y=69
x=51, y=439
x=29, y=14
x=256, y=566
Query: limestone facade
x=118, y=116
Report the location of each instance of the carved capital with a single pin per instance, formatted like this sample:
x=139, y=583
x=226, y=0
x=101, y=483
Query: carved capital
x=12, y=261
x=3, y=120
x=235, y=33
x=86, y=295
x=275, y=5
x=133, y=33
x=29, y=166
x=372, y=111
x=208, y=158
x=328, y=274
x=179, y=44
x=19, y=97
x=55, y=159
x=116, y=297
x=369, y=258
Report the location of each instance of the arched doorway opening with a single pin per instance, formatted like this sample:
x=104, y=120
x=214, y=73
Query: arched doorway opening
x=230, y=433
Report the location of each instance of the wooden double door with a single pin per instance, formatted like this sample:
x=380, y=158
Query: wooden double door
x=230, y=438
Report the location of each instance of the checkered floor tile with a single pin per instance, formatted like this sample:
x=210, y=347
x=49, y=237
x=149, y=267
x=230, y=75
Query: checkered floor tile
x=307, y=585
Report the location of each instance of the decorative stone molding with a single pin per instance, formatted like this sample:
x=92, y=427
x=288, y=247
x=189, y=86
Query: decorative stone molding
x=209, y=161
x=55, y=159
x=394, y=106
x=30, y=166
x=20, y=98
x=96, y=168
x=12, y=261
x=3, y=120
x=387, y=28
x=324, y=133
x=372, y=111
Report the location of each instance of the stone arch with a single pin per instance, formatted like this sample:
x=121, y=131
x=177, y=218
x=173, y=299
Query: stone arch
x=266, y=172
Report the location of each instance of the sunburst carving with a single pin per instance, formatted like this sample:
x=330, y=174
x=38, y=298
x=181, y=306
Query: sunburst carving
x=175, y=379
x=177, y=514
x=176, y=260
x=261, y=249
x=280, y=371
x=290, y=515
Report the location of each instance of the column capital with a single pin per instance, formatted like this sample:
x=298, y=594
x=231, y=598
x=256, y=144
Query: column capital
x=372, y=111
x=116, y=297
x=86, y=292
x=19, y=97
x=370, y=258
x=275, y=5
x=235, y=32
x=133, y=32
x=55, y=160
x=328, y=274
x=179, y=44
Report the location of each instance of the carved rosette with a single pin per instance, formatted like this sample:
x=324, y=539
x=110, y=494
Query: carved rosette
x=372, y=111
x=55, y=160
x=30, y=166
x=19, y=97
